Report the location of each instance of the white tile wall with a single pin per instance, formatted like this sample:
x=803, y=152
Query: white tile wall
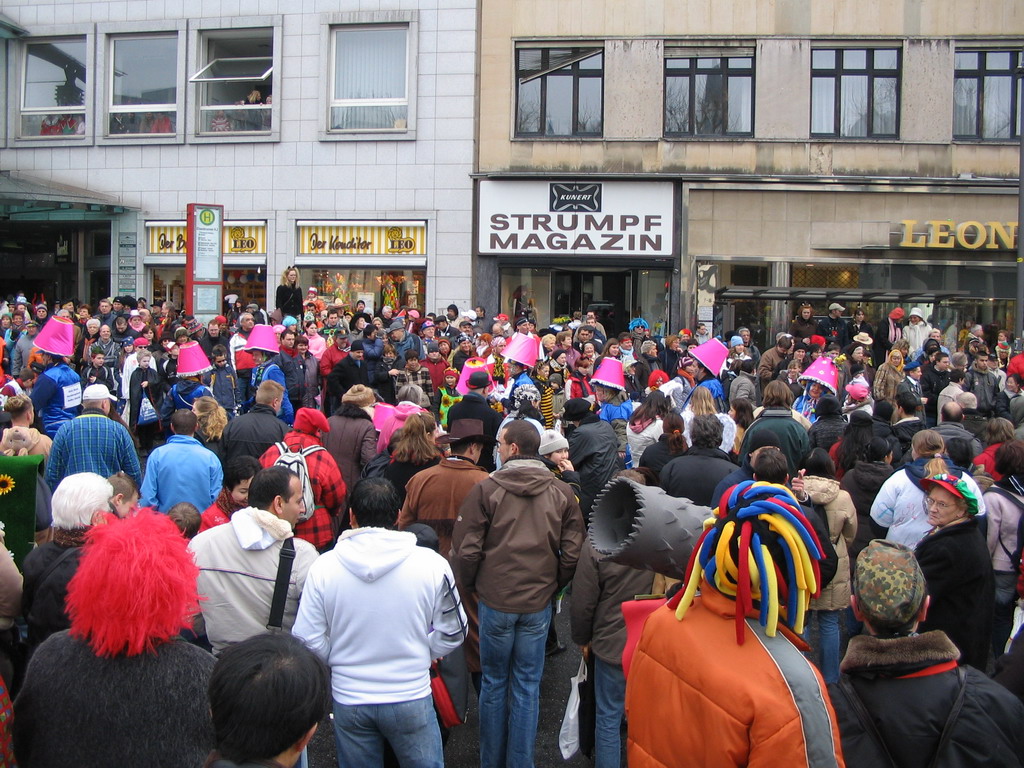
x=298, y=176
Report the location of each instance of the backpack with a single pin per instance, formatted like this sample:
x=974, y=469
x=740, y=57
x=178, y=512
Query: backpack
x=295, y=461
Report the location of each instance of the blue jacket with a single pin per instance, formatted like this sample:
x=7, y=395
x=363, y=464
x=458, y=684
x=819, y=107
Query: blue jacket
x=180, y=397
x=222, y=381
x=57, y=385
x=181, y=470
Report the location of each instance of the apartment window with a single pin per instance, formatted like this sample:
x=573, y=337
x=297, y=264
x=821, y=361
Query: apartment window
x=235, y=86
x=143, y=85
x=855, y=92
x=370, y=81
x=986, y=100
x=560, y=91
x=53, y=89
x=708, y=94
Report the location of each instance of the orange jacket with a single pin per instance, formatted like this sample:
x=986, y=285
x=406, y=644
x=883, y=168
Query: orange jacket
x=694, y=697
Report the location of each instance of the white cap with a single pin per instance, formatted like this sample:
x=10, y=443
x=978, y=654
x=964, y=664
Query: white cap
x=97, y=392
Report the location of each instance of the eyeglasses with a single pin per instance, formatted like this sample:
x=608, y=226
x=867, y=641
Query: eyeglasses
x=940, y=505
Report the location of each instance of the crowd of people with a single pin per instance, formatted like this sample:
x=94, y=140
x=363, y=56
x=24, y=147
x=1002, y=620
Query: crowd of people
x=393, y=488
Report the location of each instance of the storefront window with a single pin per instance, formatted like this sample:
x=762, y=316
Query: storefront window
x=249, y=284
x=53, y=94
x=376, y=287
x=169, y=285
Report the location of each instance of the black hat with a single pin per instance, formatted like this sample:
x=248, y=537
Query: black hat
x=478, y=380
x=576, y=409
x=357, y=346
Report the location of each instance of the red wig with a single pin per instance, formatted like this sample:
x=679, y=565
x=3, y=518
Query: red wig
x=135, y=586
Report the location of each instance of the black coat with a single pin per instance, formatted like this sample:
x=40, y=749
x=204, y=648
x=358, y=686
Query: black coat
x=594, y=452
x=958, y=569
x=826, y=431
x=156, y=390
x=474, y=406
x=910, y=712
x=42, y=599
x=289, y=300
x=656, y=456
x=251, y=433
x=932, y=383
x=695, y=474
x=862, y=483
x=345, y=375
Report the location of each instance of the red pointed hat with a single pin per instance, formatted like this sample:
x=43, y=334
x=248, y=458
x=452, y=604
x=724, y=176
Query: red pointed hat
x=56, y=337
x=522, y=349
x=823, y=371
x=192, y=360
x=262, y=337
x=609, y=374
x=712, y=354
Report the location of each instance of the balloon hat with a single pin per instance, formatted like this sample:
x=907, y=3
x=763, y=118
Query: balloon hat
x=824, y=372
x=522, y=349
x=712, y=354
x=262, y=337
x=192, y=360
x=609, y=374
x=56, y=337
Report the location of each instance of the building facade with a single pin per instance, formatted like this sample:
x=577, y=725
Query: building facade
x=724, y=162
x=338, y=137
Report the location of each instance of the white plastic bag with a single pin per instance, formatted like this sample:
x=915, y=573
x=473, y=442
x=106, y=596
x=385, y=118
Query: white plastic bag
x=569, y=734
x=1018, y=622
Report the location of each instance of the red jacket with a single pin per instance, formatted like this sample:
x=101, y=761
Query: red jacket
x=437, y=370
x=328, y=487
x=330, y=358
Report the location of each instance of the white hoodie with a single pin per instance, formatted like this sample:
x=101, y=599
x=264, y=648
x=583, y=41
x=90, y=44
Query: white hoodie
x=378, y=609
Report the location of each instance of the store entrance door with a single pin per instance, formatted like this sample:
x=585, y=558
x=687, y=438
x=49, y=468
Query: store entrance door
x=607, y=293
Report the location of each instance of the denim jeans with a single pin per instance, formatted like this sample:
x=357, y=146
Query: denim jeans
x=512, y=662
x=610, y=696
x=828, y=643
x=409, y=726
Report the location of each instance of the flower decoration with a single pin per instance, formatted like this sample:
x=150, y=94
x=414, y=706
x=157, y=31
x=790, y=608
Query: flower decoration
x=6, y=484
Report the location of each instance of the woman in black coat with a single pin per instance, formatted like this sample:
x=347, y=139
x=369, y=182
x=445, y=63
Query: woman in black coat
x=958, y=569
x=288, y=300
x=154, y=390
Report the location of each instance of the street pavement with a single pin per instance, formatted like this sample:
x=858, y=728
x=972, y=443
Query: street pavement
x=463, y=751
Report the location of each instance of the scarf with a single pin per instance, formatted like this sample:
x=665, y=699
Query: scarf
x=226, y=504
x=69, y=537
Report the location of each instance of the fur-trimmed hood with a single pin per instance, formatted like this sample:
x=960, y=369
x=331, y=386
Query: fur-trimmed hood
x=895, y=656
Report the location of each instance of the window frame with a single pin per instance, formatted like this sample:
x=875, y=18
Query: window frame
x=691, y=72
x=108, y=33
x=16, y=94
x=200, y=33
x=836, y=74
x=978, y=75
x=577, y=56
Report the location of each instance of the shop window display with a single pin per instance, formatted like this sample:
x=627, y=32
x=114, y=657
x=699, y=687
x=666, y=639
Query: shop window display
x=396, y=288
x=250, y=285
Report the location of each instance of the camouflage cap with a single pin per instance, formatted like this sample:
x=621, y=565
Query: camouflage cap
x=888, y=584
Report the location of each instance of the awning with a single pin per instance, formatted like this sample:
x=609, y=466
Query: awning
x=829, y=295
x=10, y=28
x=24, y=198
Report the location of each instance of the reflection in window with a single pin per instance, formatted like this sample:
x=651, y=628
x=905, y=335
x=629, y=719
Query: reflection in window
x=236, y=84
x=143, y=85
x=560, y=91
x=986, y=102
x=709, y=96
x=53, y=91
x=855, y=92
x=369, y=89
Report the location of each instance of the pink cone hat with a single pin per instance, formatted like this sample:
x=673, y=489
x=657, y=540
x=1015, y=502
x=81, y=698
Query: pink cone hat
x=192, y=360
x=473, y=365
x=609, y=374
x=522, y=349
x=263, y=337
x=57, y=337
x=823, y=371
x=712, y=354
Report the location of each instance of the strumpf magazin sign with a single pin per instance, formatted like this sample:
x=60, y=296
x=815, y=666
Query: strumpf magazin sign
x=577, y=218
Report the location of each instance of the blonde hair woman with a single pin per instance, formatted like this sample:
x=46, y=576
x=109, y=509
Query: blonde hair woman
x=889, y=376
x=702, y=403
x=288, y=300
x=212, y=421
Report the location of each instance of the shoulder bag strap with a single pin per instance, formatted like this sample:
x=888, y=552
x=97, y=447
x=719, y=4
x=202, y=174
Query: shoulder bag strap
x=865, y=717
x=284, y=574
x=954, y=714
x=53, y=566
x=1013, y=500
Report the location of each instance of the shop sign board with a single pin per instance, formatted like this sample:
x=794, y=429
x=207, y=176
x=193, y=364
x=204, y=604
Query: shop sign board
x=365, y=238
x=948, y=234
x=239, y=238
x=576, y=218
